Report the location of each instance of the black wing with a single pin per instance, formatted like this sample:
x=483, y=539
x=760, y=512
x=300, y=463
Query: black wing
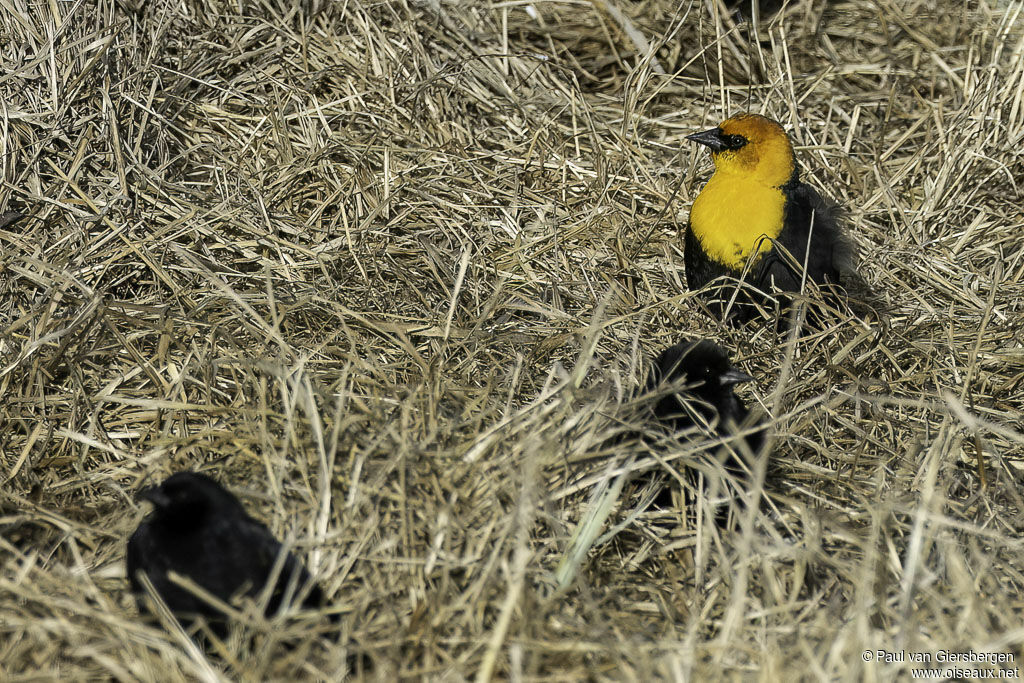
x=249, y=553
x=293, y=581
x=812, y=236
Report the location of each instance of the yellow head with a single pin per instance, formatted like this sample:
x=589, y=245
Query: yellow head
x=743, y=203
x=750, y=145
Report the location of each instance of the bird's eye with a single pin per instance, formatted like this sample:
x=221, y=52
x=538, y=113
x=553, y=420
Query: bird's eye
x=734, y=141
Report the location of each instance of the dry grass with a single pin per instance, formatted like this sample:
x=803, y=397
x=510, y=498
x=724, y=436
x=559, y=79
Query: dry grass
x=391, y=272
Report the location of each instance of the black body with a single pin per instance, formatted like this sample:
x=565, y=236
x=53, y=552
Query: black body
x=200, y=531
x=807, y=218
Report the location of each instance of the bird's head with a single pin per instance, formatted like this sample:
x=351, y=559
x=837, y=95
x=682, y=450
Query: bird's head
x=187, y=496
x=750, y=145
x=704, y=365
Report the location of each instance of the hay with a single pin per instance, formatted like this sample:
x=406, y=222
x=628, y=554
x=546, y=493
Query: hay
x=391, y=272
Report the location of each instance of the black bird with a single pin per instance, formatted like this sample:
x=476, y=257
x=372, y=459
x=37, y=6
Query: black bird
x=695, y=382
x=200, y=531
x=706, y=378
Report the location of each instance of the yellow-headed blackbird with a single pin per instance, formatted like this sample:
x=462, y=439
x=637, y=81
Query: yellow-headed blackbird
x=694, y=385
x=200, y=531
x=756, y=216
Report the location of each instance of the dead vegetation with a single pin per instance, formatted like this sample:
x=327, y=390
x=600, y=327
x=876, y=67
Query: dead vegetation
x=391, y=272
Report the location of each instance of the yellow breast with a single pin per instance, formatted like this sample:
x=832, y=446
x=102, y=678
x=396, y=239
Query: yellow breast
x=732, y=215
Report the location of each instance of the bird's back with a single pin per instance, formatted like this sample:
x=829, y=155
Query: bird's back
x=225, y=555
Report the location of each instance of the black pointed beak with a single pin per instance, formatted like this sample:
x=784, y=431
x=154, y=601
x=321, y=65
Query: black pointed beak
x=710, y=138
x=155, y=496
x=733, y=376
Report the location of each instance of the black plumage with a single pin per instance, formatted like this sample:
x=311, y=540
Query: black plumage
x=200, y=531
x=693, y=387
